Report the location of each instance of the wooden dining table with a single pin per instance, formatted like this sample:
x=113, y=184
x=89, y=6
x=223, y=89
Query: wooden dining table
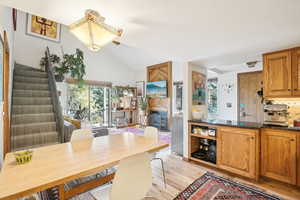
x=57, y=164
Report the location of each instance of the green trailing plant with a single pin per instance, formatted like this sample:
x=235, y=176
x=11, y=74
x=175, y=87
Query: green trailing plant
x=72, y=64
x=143, y=103
x=54, y=59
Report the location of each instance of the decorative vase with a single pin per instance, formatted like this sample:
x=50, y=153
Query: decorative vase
x=142, y=113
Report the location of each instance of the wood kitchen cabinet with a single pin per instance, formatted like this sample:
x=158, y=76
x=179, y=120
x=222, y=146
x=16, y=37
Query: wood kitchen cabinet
x=238, y=151
x=277, y=74
x=298, y=159
x=296, y=71
x=278, y=155
x=282, y=73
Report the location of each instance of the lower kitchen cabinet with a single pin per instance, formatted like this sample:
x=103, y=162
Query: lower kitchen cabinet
x=298, y=160
x=238, y=151
x=278, y=155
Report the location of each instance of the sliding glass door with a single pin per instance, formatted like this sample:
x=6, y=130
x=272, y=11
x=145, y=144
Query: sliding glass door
x=90, y=104
x=99, y=105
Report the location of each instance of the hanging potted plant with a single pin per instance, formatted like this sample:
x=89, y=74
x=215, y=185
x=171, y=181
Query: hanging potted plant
x=71, y=64
x=74, y=65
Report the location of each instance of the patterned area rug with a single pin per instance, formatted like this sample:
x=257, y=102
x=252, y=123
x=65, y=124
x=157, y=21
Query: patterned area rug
x=212, y=187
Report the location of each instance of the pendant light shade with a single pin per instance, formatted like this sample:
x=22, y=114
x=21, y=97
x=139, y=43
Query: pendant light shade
x=93, y=32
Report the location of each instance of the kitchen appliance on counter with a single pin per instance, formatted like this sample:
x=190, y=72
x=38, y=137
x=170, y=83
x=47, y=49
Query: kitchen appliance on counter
x=276, y=114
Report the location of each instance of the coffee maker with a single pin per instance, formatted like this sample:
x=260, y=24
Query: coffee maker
x=276, y=114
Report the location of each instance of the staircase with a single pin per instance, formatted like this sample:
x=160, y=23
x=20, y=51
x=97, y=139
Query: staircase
x=33, y=120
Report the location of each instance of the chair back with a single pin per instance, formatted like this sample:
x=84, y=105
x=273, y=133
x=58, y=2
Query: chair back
x=80, y=134
x=151, y=132
x=133, y=178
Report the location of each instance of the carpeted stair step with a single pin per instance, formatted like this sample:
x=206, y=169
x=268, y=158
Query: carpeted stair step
x=22, y=129
x=31, y=109
x=32, y=101
x=29, y=73
x=27, y=68
x=26, y=79
x=31, y=93
x=20, y=141
x=30, y=86
x=32, y=118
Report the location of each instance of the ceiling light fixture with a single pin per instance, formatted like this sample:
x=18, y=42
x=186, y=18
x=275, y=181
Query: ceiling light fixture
x=93, y=32
x=251, y=64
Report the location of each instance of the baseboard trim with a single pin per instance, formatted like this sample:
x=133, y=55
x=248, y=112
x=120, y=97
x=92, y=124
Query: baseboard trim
x=185, y=159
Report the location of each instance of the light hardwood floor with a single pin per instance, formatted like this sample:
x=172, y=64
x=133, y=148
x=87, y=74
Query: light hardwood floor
x=180, y=174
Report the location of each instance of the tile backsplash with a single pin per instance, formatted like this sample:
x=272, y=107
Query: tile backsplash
x=294, y=108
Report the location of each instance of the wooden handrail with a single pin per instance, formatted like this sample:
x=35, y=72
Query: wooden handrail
x=54, y=96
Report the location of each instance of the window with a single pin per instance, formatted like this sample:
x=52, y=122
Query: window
x=212, y=85
x=89, y=103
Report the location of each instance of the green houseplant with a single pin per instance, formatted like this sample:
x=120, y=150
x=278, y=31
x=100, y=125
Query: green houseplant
x=143, y=104
x=72, y=64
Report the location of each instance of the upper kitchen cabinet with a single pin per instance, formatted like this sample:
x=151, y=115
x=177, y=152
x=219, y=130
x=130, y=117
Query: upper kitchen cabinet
x=277, y=74
x=296, y=71
x=282, y=73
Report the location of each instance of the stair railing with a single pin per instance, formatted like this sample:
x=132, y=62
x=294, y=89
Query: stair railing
x=54, y=96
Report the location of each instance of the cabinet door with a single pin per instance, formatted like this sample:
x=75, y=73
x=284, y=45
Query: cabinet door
x=298, y=160
x=237, y=151
x=278, y=158
x=277, y=74
x=296, y=71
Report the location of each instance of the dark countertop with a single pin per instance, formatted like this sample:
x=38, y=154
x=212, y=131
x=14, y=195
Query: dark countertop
x=242, y=124
x=220, y=122
x=282, y=127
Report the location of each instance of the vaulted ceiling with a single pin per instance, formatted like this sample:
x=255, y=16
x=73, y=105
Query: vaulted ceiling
x=208, y=32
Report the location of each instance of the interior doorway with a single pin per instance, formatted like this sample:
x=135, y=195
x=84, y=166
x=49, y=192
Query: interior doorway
x=250, y=106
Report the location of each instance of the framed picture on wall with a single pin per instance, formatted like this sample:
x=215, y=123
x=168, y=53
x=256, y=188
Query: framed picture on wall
x=43, y=28
x=199, y=88
x=140, y=88
x=1, y=67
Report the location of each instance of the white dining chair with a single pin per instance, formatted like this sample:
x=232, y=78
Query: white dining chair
x=132, y=181
x=80, y=134
x=152, y=132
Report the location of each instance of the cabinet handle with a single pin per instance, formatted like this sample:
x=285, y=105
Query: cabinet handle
x=295, y=89
x=292, y=140
x=289, y=89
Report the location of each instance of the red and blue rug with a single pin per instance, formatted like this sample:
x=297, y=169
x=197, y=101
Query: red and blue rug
x=212, y=187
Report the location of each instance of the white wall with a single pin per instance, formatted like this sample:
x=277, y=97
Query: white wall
x=223, y=97
x=6, y=25
x=101, y=65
